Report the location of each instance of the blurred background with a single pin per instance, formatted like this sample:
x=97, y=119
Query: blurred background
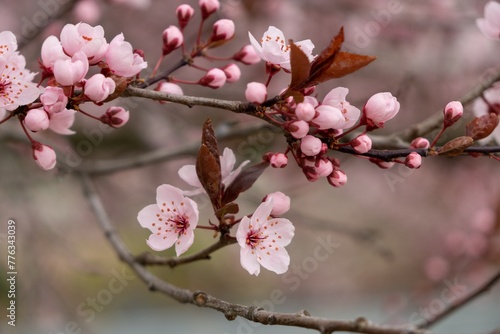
x=399, y=245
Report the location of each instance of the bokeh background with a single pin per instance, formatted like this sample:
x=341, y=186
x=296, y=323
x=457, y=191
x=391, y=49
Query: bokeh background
x=401, y=237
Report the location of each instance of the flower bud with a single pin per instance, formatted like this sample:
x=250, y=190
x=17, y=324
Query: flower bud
x=362, y=143
x=420, y=143
x=413, y=160
x=379, y=108
x=172, y=39
x=281, y=203
x=44, y=155
x=328, y=118
x=222, y=30
x=215, y=78
x=169, y=87
x=208, y=7
x=305, y=111
x=232, y=72
x=278, y=160
x=247, y=55
x=311, y=146
x=337, y=178
x=256, y=92
x=382, y=164
x=70, y=71
x=299, y=129
x=310, y=173
x=53, y=99
x=184, y=14
x=452, y=113
x=323, y=167
x=98, y=87
x=115, y=117
x=37, y=120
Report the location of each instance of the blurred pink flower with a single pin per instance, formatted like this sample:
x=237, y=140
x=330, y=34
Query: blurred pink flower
x=436, y=268
x=263, y=239
x=490, y=24
x=171, y=220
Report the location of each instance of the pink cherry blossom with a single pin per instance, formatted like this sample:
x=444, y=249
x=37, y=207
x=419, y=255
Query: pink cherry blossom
x=222, y=30
x=247, y=55
x=215, y=78
x=53, y=99
x=263, y=239
x=98, y=87
x=452, y=113
x=413, y=160
x=490, y=24
x=275, y=50
x=232, y=72
x=362, y=143
x=60, y=122
x=36, y=120
x=171, y=220
x=8, y=44
x=380, y=108
x=281, y=203
x=328, y=117
x=278, y=160
x=121, y=58
x=305, y=111
x=184, y=14
x=44, y=156
x=310, y=145
x=87, y=11
x=115, y=117
x=299, y=129
x=82, y=37
x=172, y=39
x=70, y=71
x=52, y=51
x=336, y=98
x=208, y=7
x=256, y=92
x=227, y=162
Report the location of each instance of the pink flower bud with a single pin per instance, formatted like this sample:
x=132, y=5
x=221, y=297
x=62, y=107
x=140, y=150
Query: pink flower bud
x=452, y=113
x=328, y=118
x=215, y=78
x=436, y=268
x=337, y=178
x=311, y=146
x=379, y=108
x=172, y=39
x=53, y=99
x=184, y=14
x=413, y=160
x=278, y=160
x=382, y=164
x=305, y=111
x=299, y=129
x=420, y=143
x=232, y=72
x=256, y=92
x=98, y=87
x=310, y=173
x=70, y=71
x=323, y=167
x=51, y=52
x=362, y=143
x=115, y=117
x=222, y=30
x=208, y=7
x=169, y=87
x=36, y=120
x=87, y=11
x=281, y=203
x=44, y=155
x=247, y=55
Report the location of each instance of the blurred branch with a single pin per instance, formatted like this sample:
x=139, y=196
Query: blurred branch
x=462, y=302
x=149, y=259
x=301, y=319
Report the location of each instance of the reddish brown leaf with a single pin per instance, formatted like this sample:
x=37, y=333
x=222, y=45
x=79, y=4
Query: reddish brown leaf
x=300, y=66
x=482, y=127
x=456, y=146
x=345, y=63
x=325, y=59
x=208, y=138
x=209, y=174
x=243, y=182
x=229, y=208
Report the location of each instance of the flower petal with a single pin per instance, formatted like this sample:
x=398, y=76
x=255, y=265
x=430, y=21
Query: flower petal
x=168, y=196
x=275, y=259
x=261, y=214
x=161, y=241
x=280, y=231
x=61, y=122
x=148, y=216
x=249, y=261
x=184, y=242
x=242, y=232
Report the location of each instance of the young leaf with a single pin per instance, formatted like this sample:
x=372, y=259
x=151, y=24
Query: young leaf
x=325, y=59
x=230, y=208
x=208, y=138
x=482, y=127
x=243, y=182
x=300, y=66
x=456, y=146
x=209, y=174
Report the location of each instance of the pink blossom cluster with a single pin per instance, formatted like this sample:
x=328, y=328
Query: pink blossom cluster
x=262, y=236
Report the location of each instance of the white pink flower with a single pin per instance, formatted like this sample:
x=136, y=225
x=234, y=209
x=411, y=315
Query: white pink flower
x=82, y=37
x=256, y=92
x=121, y=58
x=380, y=108
x=44, y=156
x=69, y=71
x=98, y=87
x=490, y=24
x=227, y=162
x=336, y=99
x=171, y=220
x=275, y=50
x=263, y=239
